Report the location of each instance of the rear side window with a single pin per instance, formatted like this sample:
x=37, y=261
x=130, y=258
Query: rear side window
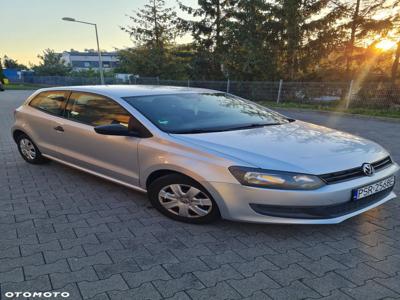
x=51, y=102
x=95, y=110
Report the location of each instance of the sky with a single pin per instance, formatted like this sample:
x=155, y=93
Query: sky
x=27, y=27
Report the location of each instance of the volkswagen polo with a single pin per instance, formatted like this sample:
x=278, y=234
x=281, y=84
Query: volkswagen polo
x=202, y=154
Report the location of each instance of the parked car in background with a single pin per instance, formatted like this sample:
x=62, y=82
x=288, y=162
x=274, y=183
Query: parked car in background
x=202, y=154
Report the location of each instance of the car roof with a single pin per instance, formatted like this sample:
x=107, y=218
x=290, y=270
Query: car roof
x=130, y=90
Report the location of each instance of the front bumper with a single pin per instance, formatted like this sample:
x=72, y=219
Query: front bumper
x=250, y=204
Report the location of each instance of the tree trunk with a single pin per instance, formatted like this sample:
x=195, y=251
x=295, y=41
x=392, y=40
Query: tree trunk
x=395, y=65
x=291, y=8
x=218, y=41
x=156, y=30
x=218, y=26
x=350, y=47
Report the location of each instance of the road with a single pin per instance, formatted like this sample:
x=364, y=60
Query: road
x=63, y=230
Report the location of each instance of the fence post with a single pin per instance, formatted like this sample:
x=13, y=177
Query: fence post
x=278, y=99
x=228, y=83
x=188, y=82
x=158, y=80
x=349, y=95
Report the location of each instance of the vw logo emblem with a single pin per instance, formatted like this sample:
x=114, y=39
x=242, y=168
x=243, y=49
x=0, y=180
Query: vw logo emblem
x=368, y=169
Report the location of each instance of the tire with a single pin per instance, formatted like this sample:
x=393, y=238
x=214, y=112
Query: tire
x=29, y=151
x=183, y=199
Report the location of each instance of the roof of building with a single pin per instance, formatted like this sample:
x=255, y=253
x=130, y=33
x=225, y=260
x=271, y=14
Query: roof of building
x=90, y=53
x=131, y=90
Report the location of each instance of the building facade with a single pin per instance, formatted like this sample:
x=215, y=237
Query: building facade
x=89, y=60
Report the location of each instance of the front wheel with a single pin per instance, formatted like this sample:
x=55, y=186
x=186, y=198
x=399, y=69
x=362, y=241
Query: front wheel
x=183, y=199
x=29, y=151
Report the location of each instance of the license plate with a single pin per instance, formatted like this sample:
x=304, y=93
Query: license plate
x=373, y=188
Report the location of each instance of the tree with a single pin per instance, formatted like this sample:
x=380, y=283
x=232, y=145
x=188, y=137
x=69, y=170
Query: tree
x=140, y=60
x=263, y=40
x=396, y=29
x=1, y=72
x=361, y=22
x=51, y=64
x=207, y=29
x=153, y=31
x=308, y=33
x=395, y=65
x=251, y=36
x=10, y=63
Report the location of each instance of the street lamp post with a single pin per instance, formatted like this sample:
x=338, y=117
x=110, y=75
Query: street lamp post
x=98, y=46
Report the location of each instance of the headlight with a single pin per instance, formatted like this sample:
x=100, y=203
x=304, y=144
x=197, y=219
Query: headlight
x=275, y=179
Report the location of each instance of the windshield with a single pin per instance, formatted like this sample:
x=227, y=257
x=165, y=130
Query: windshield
x=206, y=112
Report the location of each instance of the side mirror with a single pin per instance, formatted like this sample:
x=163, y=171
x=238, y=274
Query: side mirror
x=116, y=129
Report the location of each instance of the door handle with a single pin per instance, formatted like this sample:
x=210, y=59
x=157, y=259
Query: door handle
x=59, y=128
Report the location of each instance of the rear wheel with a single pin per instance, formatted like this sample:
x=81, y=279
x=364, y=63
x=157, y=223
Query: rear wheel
x=183, y=199
x=29, y=151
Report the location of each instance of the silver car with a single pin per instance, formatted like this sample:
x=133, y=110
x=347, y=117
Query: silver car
x=202, y=154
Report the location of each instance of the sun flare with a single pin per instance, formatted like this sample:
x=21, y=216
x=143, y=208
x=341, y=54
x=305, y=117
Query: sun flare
x=385, y=45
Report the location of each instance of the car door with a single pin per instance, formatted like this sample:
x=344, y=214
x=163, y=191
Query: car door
x=42, y=116
x=112, y=156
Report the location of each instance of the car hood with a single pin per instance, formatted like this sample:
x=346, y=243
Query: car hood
x=296, y=147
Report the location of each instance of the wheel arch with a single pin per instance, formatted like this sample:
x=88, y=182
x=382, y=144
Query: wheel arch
x=166, y=171
x=17, y=133
x=153, y=174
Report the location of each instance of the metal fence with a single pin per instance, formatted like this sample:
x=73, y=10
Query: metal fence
x=345, y=94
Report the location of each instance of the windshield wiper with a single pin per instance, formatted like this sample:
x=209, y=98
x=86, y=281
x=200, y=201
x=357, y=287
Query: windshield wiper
x=207, y=130
x=196, y=131
x=255, y=125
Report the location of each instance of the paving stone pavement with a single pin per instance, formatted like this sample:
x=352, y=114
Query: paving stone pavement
x=63, y=230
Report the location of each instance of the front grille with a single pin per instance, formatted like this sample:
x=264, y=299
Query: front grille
x=349, y=174
x=319, y=212
x=383, y=163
